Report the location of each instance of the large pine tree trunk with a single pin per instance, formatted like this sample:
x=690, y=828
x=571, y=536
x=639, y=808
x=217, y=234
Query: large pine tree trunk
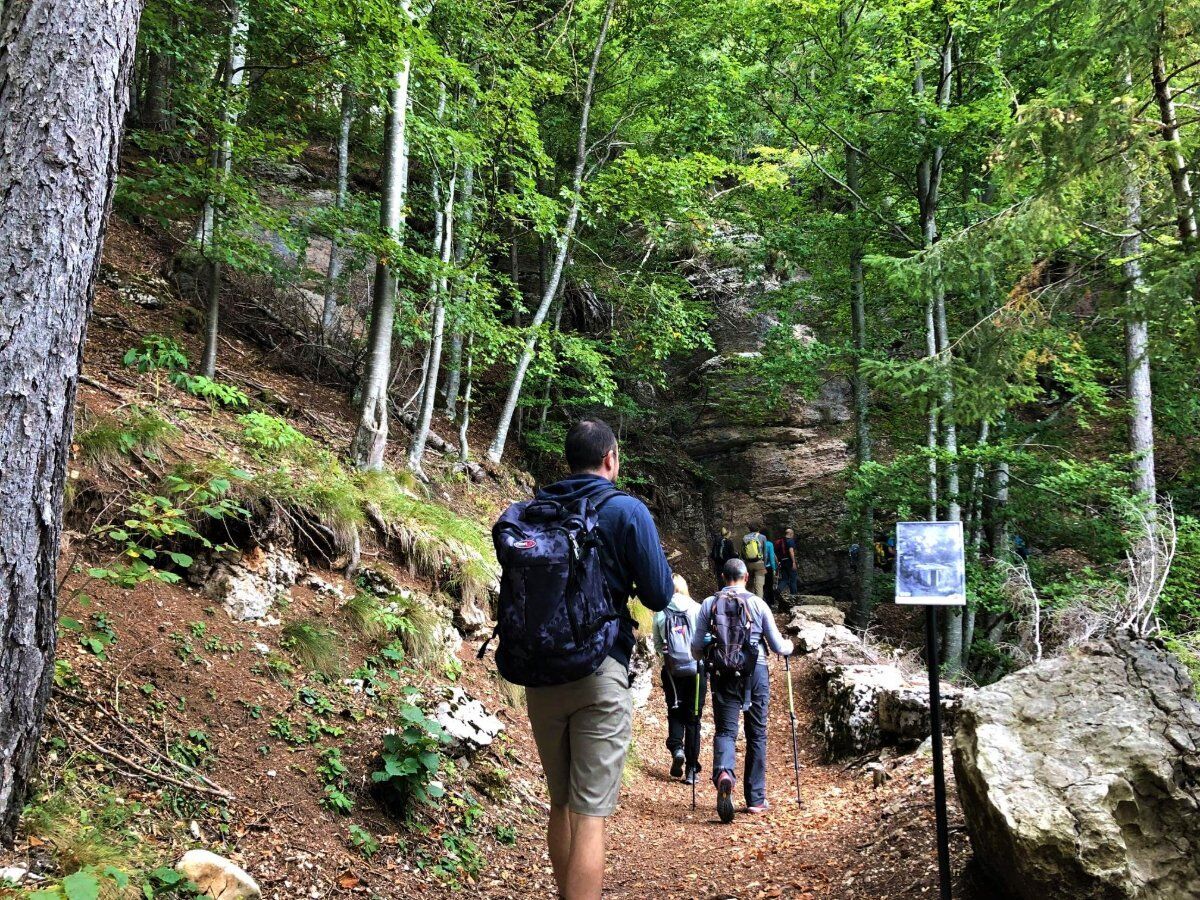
x=64, y=78
x=562, y=249
x=370, y=439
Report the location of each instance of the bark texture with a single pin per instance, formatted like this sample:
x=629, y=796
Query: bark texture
x=370, y=439
x=64, y=92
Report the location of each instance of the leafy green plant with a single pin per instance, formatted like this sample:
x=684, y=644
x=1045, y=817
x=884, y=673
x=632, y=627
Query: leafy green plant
x=85, y=884
x=332, y=772
x=217, y=393
x=411, y=759
x=363, y=841
x=262, y=432
x=505, y=834
x=155, y=352
x=95, y=639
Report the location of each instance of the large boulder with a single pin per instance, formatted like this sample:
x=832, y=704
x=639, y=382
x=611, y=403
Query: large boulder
x=217, y=877
x=1080, y=776
x=904, y=712
x=850, y=715
x=818, y=609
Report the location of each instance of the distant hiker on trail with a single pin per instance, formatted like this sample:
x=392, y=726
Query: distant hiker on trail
x=789, y=574
x=570, y=559
x=683, y=681
x=770, y=588
x=733, y=633
x=721, y=551
x=754, y=554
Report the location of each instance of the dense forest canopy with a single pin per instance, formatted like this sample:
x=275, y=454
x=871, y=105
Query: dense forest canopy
x=941, y=254
x=980, y=213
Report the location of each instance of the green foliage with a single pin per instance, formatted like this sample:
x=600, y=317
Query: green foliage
x=363, y=841
x=316, y=649
x=135, y=429
x=1179, y=605
x=411, y=760
x=332, y=772
x=263, y=433
x=155, y=524
x=215, y=392
x=155, y=353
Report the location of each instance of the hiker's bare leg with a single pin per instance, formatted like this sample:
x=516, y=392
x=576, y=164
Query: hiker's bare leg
x=559, y=839
x=585, y=871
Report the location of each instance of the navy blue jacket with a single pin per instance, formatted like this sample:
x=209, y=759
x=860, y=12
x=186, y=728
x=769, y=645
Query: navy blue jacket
x=633, y=558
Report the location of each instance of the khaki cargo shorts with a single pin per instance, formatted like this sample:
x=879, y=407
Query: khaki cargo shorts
x=582, y=731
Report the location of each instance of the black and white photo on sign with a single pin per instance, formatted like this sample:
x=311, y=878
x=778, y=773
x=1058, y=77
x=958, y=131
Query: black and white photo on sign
x=930, y=564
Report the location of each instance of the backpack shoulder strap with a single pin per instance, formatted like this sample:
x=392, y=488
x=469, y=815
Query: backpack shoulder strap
x=599, y=500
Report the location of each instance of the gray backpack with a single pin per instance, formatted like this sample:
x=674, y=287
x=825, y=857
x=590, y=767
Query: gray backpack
x=677, y=641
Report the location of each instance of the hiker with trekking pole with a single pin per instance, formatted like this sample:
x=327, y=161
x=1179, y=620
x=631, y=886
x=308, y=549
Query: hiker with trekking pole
x=735, y=631
x=682, y=680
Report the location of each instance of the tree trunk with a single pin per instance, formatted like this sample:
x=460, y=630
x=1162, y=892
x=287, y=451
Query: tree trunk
x=416, y=449
x=370, y=438
x=1137, y=347
x=64, y=90
x=466, y=213
x=464, y=450
x=861, y=614
x=235, y=69
x=334, y=271
x=563, y=246
x=153, y=110
x=1181, y=184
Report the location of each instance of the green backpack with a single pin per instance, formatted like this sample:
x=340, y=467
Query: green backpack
x=752, y=550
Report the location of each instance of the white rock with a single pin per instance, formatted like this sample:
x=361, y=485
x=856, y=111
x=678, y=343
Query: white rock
x=249, y=585
x=810, y=637
x=13, y=874
x=825, y=613
x=217, y=877
x=465, y=719
x=850, y=718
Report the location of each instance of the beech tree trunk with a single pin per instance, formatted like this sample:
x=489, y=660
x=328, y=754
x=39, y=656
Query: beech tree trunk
x=562, y=249
x=370, y=438
x=1137, y=348
x=334, y=272
x=222, y=163
x=861, y=614
x=416, y=449
x=466, y=217
x=64, y=92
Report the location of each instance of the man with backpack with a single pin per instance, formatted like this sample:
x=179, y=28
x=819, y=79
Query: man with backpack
x=754, y=554
x=683, y=681
x=734, y=631
x=721, y=551
x=570, y=559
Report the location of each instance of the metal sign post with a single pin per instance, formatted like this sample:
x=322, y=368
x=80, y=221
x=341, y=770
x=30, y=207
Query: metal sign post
x=931, y=572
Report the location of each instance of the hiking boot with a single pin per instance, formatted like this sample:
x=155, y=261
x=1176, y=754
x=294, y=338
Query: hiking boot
x=690, y=777
x=725, y=797
x=758, y=809
x=677, y=762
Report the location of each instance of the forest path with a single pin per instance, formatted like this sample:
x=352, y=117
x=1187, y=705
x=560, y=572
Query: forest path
x=850, y=839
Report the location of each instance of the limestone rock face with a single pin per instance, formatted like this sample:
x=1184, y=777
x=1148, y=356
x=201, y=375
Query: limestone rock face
x=825, y=613
x=248, y=586
x=850, y=720
x=465, y=719
x=809, y=636
x=217, y=877
x=904, y=713
x=1080, y=776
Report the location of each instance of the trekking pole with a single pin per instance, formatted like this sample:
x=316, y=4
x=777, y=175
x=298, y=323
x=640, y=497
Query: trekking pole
x=696, y=713
x=787, y=666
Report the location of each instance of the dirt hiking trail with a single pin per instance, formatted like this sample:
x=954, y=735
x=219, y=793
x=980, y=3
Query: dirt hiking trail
x=851, y=839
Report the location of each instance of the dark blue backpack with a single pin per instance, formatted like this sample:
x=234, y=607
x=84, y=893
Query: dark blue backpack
x=556, y=619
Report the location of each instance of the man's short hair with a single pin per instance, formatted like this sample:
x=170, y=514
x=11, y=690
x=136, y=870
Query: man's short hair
x=734, y=570
x=588, y=442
